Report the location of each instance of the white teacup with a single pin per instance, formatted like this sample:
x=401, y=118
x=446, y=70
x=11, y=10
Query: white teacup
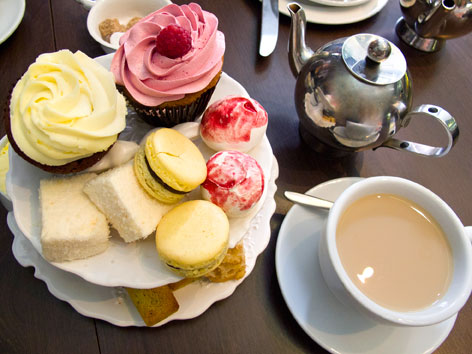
x=458, y=236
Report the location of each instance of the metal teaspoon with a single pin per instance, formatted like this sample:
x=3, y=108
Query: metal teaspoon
x=308, y=200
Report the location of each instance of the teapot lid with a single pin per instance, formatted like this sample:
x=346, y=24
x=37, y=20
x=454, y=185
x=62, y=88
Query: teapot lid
x=373, y=59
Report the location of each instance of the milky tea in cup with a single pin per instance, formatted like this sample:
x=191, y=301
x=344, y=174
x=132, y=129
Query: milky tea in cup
x=394, y=251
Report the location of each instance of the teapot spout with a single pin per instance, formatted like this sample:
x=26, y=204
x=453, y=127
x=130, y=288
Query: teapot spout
x=432, y=21
x=298, y=52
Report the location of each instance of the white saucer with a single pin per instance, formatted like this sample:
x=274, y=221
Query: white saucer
x=113, y=305
x=11, y=14
x=332, y=325
x=336, y=15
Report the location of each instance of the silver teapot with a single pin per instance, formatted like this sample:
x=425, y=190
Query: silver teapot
x=426, y=24
x=355, y=93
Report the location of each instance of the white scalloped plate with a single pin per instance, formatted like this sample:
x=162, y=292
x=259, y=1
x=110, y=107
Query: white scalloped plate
x=136, y=264
x=113, y=304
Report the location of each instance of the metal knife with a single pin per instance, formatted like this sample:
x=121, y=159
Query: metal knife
x=269, y=26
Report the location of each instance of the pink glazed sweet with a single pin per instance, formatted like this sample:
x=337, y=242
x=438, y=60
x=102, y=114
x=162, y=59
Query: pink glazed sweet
x=235, y=182
x=234, y=123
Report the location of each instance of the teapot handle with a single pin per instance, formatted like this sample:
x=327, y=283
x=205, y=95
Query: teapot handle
x=443, y=117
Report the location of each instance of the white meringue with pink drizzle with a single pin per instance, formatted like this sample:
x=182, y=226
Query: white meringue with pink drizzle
x=234, y=123
x=235, y=182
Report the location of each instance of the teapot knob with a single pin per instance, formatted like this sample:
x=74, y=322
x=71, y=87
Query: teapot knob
x=373, y=59
x=379, y=50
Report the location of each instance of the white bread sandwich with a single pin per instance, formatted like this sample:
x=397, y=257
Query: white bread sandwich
x=127, y=206
x=72, y=227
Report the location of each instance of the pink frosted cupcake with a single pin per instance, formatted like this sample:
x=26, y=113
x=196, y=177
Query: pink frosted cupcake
x=169, y=63
x=235, y=182
x=234, y=123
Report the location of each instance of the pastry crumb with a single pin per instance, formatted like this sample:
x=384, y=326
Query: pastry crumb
x=112, y=25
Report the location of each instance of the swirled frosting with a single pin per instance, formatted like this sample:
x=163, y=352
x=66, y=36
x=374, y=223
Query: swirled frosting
x=151, y=78
x=65, y=107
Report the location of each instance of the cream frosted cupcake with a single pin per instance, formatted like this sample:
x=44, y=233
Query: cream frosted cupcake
x=65, y=112
x=169, y=63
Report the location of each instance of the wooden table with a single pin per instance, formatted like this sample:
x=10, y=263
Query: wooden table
x=255, y=319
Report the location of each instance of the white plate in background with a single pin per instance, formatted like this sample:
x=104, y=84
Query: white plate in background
x=331, y=15
x=11, y=14
x=339, y=2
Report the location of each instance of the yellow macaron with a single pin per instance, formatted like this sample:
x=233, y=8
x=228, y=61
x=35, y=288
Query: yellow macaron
x=169, y=165
x=192, y=239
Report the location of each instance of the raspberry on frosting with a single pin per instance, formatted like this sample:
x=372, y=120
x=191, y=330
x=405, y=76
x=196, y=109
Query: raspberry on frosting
x=234, y=123
x=173, y=41
x=235, y=182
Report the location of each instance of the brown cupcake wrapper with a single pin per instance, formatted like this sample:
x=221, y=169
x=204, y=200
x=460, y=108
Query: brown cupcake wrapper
x=171, y=113
x=171, y=116
x=71, y=167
